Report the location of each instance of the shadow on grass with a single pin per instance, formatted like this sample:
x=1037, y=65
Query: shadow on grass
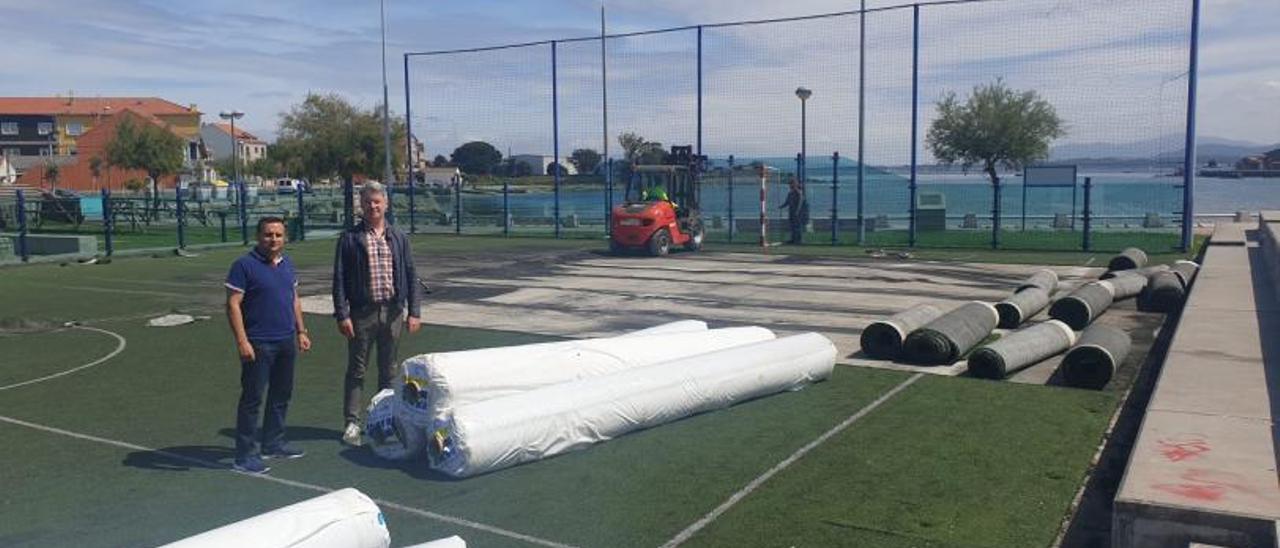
x=415, y=467
x=295, y=433
x=182, y=458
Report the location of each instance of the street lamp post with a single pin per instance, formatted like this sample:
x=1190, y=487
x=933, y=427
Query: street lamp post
x=803, y=93
x=232, y=115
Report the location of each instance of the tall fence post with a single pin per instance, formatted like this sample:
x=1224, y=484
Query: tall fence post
x=764, y=213
x=732, y=224
x=301, y=236
x=457, y=207
x=506, y=206
x=1189, y=148
x=22, y=226
x=1088, y=213
x=555, y=134
x=835, y=186
x=915, y=121
x=995, y=214
x=408, y=143
x=608, y=197
x=699, y=90
x=182, y=216
x=244, y=212
x=108, y=221
x=862, y=76
x=348, y=204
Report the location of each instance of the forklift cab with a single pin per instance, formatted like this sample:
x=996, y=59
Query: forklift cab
x=660, y=207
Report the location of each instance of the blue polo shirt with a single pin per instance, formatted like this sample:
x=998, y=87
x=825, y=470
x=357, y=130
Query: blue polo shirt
x=268, y=295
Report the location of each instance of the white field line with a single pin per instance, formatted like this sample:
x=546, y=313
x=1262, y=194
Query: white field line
x=120, y=348
x=706, y=520
x=301, y=485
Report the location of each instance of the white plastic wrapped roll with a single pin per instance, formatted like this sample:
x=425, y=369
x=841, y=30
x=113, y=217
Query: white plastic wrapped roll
x=416, y=408
x=501, y=432
x=341, y=519
x=389, y=435
x=681, y=326
x=459, y=378
x=451, y=542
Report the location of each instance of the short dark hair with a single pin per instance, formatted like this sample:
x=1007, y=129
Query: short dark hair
x=270, y=220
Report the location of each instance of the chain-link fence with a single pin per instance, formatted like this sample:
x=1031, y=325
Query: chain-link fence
x=40, y=222
x=1116, y=73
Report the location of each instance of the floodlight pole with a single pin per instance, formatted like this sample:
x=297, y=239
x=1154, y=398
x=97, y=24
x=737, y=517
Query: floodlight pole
x=232, y=115
x=1189, y=150
x=862, y=76
x=387, y=174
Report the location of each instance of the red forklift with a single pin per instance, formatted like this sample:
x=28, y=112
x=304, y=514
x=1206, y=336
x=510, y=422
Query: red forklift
x=660, y=209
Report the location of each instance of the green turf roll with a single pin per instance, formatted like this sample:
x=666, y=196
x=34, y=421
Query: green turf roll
x=1020, y=349
x=1096, y=357
x=1185, y=271
x=1146, y=271
x=1044, y=279
x=883, y=339
x=1165, y=292
x=1128, y=259
x=1021, y=306
x=1127, y=285
x=1083, y=305
x=944, y=340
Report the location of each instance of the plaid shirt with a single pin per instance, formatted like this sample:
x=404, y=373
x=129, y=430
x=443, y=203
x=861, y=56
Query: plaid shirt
x=381, y=286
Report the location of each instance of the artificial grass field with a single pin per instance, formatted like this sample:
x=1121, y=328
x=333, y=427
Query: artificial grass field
x=945, y=462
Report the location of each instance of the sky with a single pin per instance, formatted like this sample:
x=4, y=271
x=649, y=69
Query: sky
x=1115, y=69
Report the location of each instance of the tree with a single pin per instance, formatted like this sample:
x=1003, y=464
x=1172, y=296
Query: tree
x=585, y=160
x=476, y=158
x=440, y=161
x=149, y=147
x=95, y=168
x=554, y=167
x=996, y=127
x=331, y=137
x=636, y=150
x=51, y=173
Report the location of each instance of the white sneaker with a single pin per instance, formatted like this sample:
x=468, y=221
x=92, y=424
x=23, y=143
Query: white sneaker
x=352, y=435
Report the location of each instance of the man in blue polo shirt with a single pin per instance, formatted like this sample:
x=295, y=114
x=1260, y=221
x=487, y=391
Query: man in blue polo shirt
x=266, y=318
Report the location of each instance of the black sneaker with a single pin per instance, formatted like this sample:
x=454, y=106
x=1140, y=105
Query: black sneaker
x=250, y=465
x=283, y=452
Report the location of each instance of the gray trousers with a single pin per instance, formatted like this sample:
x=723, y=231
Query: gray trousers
x=379, y=325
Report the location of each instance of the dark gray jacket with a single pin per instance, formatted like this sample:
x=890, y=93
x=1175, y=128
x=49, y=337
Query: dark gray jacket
x=351, y=272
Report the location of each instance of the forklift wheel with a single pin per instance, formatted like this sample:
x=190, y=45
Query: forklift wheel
x=696, y=235
x=660, y=243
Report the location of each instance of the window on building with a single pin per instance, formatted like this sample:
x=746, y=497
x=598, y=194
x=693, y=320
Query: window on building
x=8, y=128
x=45, y=128
x=75, y=128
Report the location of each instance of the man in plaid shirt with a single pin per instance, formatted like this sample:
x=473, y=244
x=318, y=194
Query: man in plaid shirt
x=375, y=297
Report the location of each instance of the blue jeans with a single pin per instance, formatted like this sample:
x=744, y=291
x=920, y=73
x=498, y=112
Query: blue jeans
x=270, y=371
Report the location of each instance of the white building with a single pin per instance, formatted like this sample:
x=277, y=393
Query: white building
x=217, y=138
x=7, y=173
x=538, y=163
x=444, y=177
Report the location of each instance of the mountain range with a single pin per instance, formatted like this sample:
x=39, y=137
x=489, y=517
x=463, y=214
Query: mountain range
x=1159, y=150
